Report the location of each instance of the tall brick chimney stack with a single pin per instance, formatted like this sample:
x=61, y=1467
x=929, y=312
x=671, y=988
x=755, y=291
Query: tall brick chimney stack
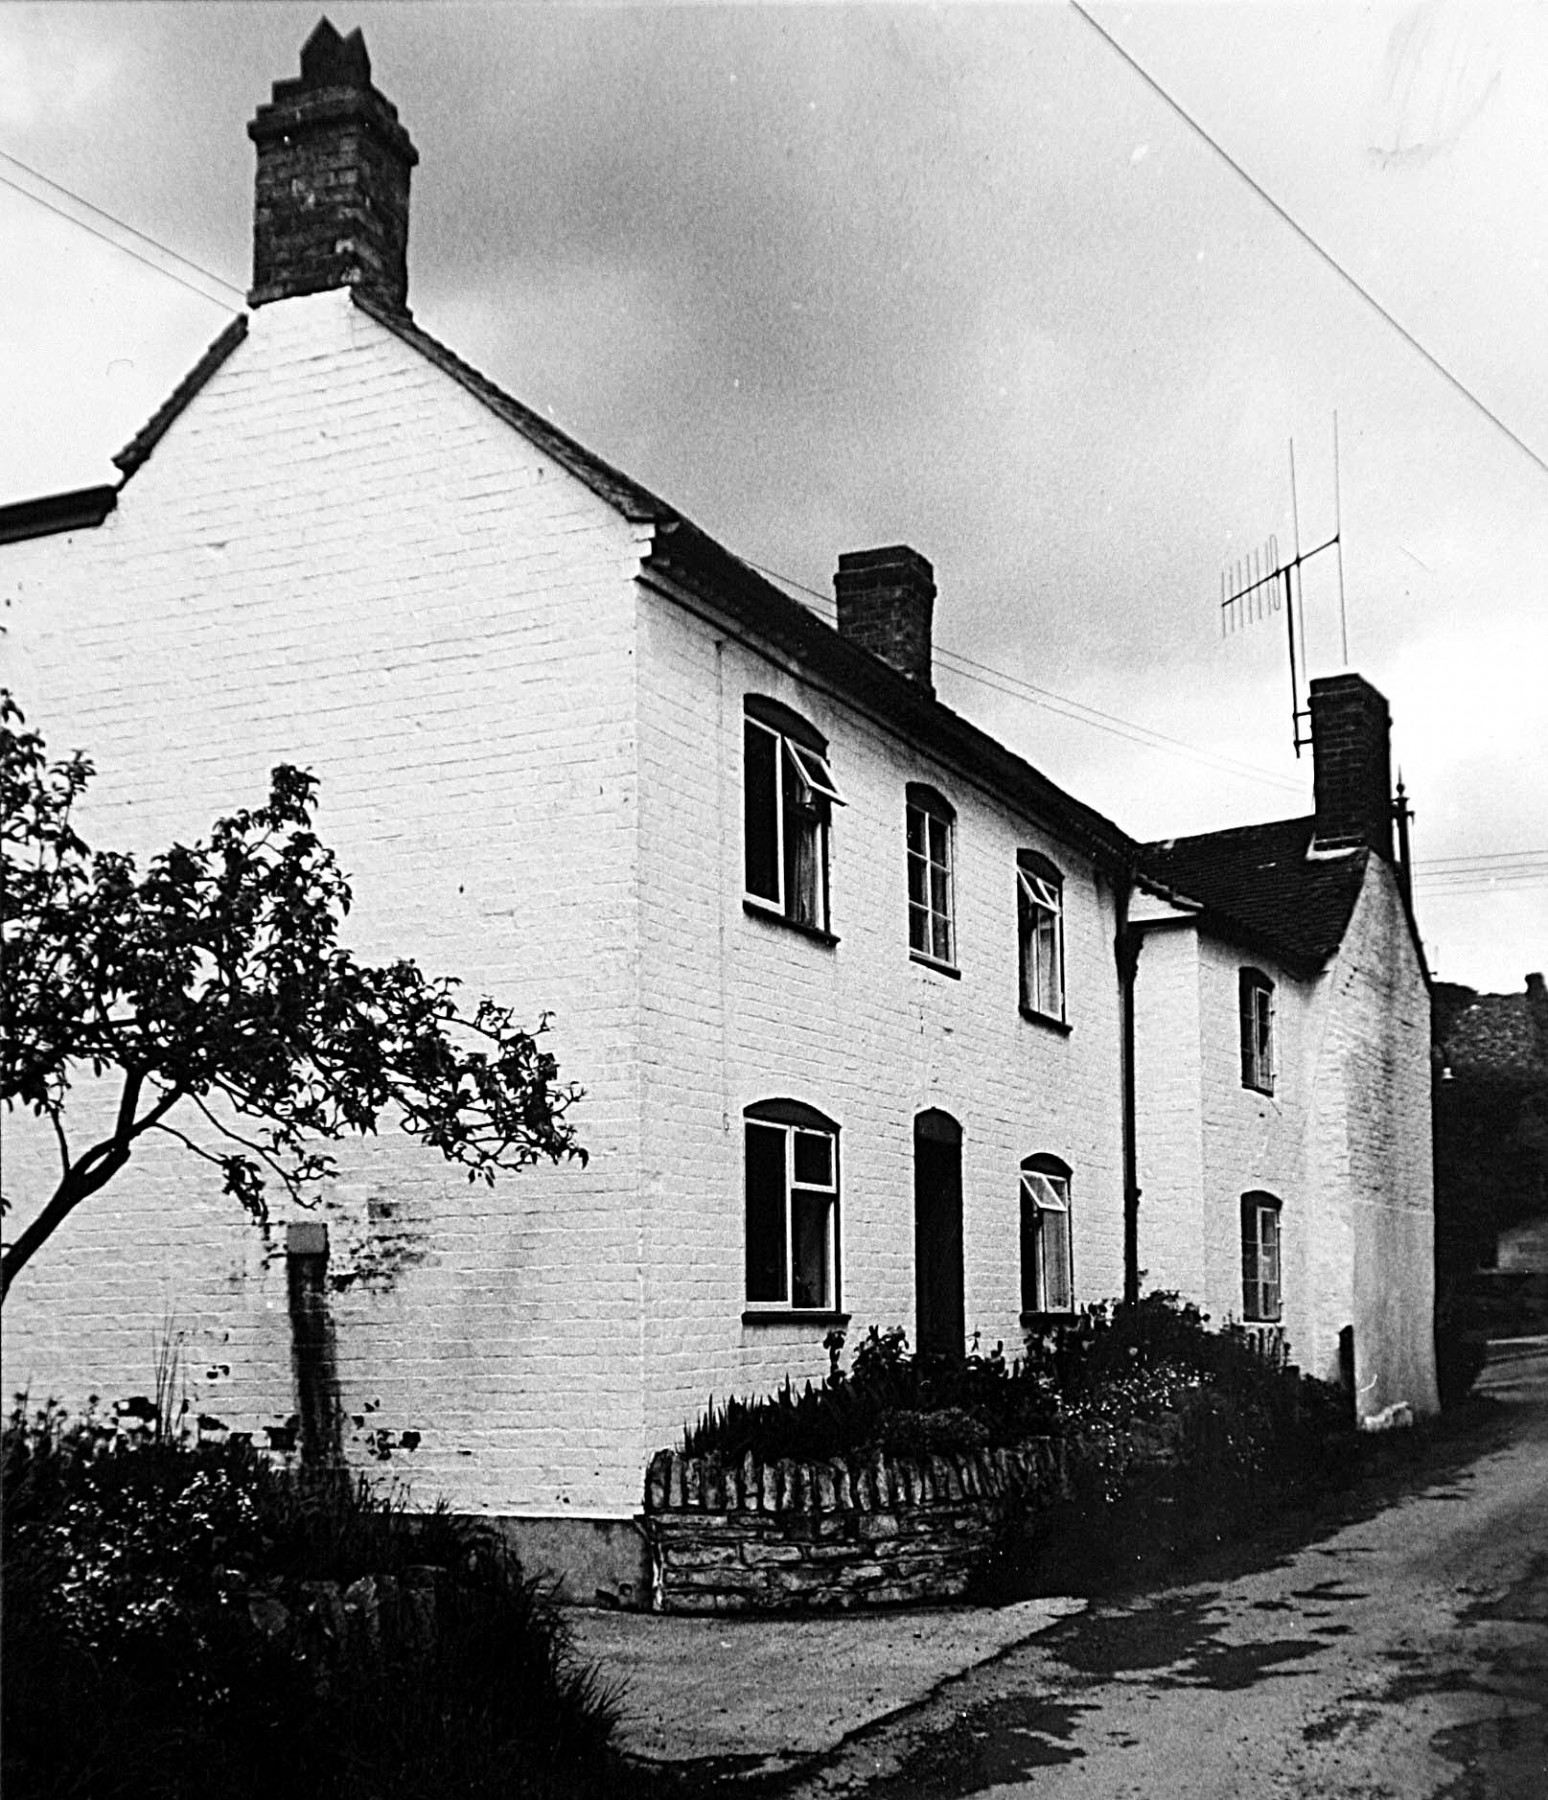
x=333, y=180
x=886, y=601
x=1352, y=764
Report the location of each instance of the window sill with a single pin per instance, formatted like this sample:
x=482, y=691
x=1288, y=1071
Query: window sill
x=1252, y=1087
x=1046, y=1020
x=1046, y=1321
x=793, y=1316
x=929, y=962
x=772, y=916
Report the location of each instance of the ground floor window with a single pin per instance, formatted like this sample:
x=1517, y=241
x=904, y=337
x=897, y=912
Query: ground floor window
x=792, y=1191
x=1261, y=1248
x=1047, y=1262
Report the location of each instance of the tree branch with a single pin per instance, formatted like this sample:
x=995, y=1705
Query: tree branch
x=89, y=1173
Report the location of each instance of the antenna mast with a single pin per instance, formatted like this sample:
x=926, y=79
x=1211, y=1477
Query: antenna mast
x=1260, y=583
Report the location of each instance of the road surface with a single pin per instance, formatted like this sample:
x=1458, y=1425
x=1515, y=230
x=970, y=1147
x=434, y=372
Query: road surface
x=1402, y=1657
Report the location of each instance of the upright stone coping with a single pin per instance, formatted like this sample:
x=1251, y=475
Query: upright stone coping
x=877, y=1530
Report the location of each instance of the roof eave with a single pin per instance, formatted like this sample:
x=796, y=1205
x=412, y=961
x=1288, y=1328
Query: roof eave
x=82, y=509
x=692, y=558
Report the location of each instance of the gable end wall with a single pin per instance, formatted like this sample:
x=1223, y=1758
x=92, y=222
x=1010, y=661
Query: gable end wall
x=338, y=558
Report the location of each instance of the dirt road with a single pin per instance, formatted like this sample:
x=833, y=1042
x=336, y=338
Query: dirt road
x=1402, y=1657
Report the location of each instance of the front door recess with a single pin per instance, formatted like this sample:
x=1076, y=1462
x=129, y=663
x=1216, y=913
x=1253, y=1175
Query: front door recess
x=940, y=1328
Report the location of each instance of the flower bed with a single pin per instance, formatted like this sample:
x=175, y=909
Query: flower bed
x=876, y=1530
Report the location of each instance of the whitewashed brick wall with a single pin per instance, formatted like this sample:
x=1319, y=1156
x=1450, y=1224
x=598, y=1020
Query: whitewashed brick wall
x=338, y=558
x=858, y=1030
x=532, y=769
x=1373, y=1149
x=1168, y=1129
x=1343, y=1141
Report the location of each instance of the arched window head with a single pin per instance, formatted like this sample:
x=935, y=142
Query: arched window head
x=1047, y=1256
x=1256, y=996
x=1262, y=1296
x=792, y=1190
x=1040, y=926
x=788, y=796
x=931, y=826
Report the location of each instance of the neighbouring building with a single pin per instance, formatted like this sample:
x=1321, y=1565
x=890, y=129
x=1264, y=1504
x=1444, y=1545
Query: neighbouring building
x=1491, y=1127
x=1283, y=1073
x=850, y=987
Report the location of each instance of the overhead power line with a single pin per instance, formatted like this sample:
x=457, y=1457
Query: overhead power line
x=1306, y=238
x=107, y=238
x=1482, y=860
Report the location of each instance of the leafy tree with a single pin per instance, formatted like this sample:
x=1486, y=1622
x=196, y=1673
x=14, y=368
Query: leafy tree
x=213, y=990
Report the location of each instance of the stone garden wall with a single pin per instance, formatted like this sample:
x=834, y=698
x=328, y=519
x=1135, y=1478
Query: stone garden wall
x=856, y=1531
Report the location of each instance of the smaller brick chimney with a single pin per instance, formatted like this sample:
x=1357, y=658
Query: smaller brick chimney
x=333, y=180
x=1352, y=764
x=886, y=601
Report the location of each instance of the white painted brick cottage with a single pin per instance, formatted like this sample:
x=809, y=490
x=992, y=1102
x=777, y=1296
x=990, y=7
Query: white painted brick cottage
x=847, y=984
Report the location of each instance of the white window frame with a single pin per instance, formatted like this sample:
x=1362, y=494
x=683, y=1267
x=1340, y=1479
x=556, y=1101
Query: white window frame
x=1040, y=897
x=1258, y=1030
x=827, y=1193
x=811, y=773
x=1047, y=1192
x=924, y=913
x=1263, y=1295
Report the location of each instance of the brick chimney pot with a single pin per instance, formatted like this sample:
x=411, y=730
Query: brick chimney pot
x=332, y=195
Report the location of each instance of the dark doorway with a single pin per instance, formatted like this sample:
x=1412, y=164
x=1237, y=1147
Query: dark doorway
x=940, y=1327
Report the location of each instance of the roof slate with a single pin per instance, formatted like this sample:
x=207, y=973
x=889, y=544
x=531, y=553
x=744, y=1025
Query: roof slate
x=1258, y=884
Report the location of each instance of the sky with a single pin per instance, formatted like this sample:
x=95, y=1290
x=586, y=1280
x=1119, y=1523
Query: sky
x=959, y=277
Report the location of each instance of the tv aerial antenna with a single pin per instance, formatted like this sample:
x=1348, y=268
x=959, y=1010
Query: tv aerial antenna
x=1262, y=583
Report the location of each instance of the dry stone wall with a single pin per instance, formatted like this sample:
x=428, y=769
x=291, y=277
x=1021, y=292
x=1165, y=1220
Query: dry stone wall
x=856, y=1531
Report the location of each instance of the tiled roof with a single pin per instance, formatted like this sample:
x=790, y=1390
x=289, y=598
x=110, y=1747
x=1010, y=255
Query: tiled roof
x=1258, y=884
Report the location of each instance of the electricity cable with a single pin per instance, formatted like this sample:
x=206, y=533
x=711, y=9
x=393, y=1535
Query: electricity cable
x=1306, y=238
x=107, y=238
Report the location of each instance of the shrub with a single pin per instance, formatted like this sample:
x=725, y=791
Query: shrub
x=135, y=1667
x=889, y=1400
x=1175, y=1435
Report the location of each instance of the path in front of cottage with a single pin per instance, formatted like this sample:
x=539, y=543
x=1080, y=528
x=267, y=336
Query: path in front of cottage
x=1402, y=1657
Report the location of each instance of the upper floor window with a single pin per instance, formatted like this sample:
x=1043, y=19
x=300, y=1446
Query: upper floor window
x=931, y=910
x=1261, y=1298
x=1040, y=916
x=787, y=800
x=1257, y=1019
x=791, y=1207
x=1047, y=1264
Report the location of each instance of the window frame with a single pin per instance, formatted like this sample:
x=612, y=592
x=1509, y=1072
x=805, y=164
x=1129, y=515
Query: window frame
x=1258, y=1206
x=1052, y=1174
x=798, y=758
x=795, y=1120
x=933, y=809
x=1040, y=888
x=1258, y=1026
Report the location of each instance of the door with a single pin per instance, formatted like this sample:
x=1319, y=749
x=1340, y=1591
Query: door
x=940, y=1327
